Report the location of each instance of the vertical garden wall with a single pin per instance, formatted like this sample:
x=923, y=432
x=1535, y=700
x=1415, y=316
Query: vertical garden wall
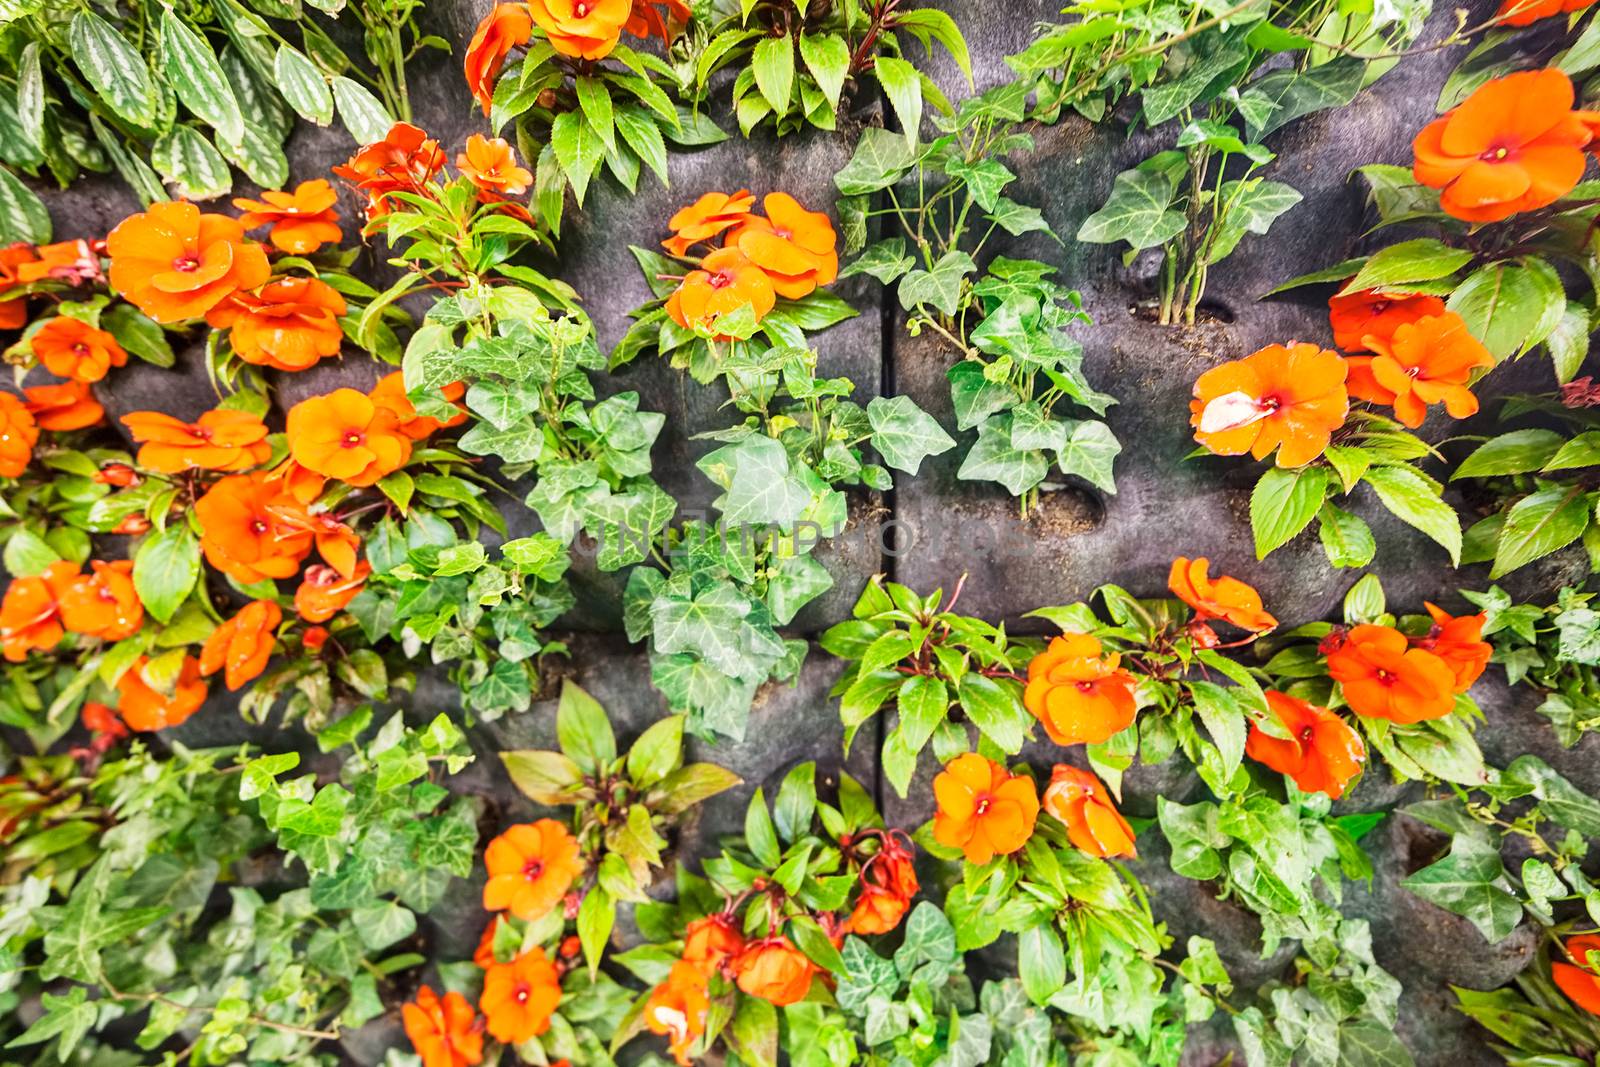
x=823, y=533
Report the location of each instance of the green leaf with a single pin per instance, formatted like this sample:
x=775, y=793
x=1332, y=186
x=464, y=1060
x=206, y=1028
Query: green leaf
x=67, y=1018
x=827, y=57
x=903, y=86
x=643, y=135
x=1517, y=452
x=1582, y=451
x=381, y=925
x=1224, y=721
x=940, y=287
x=596, y=915
x=881, y=158
x=196, y=76
x=994, y=458
x=23, y=216
x=1346, y=538
x=113, y=68
x=1252, y=205
x=303, y=85
x=578, y=149
x=1090, y=451
x=595, y=101
x=1295, y=92
x=996, y=710
x=810, y=939
x=1423, y=259
x=1470, y=882
x=904, y=434
x=657, y=753
x=185, y=158
x=1283, y=503
x=1413, y=500
x=1539, y=524
x=772, y=62
x=759, y=832
x=165, y=569
x=545, y=777
x=27, y=554
x=1510, y=308
x=367, y=120
x=1041, y=962
x=1138, y=211
x=583, y=730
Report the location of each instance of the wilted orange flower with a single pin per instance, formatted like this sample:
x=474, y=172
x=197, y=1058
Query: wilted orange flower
x=1079, y=695
x=74, y=262
x=1081, y=803
x=313, y=638
x=1291, y=396
x=118, y=474
x=1369, y=313
x=405, y=160
x=132, y=526
x=99, y=719
x=337, y=544
x=324, y=592
x=390, y=392
x=983, y=809
x=797, y=248
x=18, y=434
x=531, y=866
x=1459, y=642
x=1322, y=754
x=240, y=535
x=505, y=27
x=13, y=312
x=302, y=221
x=710, y=942
x=30, y=613
x=585, y=29
x=173, y=263
x=1527, y=12
x=774, y=970
x=1220, y=598
x=1580, y=983
x=878, y=910
x=725, y=282
x=445, y=1033
x=645, y=20
x=677, y=1010
x=344, y=435
x=1513, y=145
x=1429, y=361
x=893, y=867
x=707, y=217
x=71, y=348
x=219, y=440
x=483, y=955
x=144, y=708
x=491, y=164
x=103, y=603
x=68, y=406
x=1383, y=678
x=289, y=325
x=242, y=646
x=519, y=997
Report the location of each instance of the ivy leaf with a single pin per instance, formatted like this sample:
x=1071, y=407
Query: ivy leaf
x=1253, y=204
x=1293, y=92
x=1089, y=452
x=1138, y=211
x=1283, y=503
x=66, y=1017
x=994, y=458
x=904, y=434
x=761, y=485
x=885, y=260
x=929, y=938
x=881, y=158
x=940, y=287
x=1471, y=882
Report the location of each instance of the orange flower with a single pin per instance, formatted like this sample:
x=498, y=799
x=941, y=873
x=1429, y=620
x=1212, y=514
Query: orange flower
x=173, y=263
x=491, y=164
x=323, y=593
x=726, y=282
x=405, y=160
x=313, y=639
x=132, y=526
x=68, y=406
x=30, y=613
x=878, y=910
x=774, y=970
x=531, y=866
x=445, y=1033
x=710, y=942
x=71, y=348
x=1094, y=825
x=1079, y=695
x=144, y=708
x=519, y=997
x=345, y=436
x=219, y=440
x=390, y=392
x=1322, y=752
x=13, y=312
x=644, y=20
x=302, y=221
x=1369, y=313
x=584, y=29
x=983, y=810
x=707, y=217
x=677, y=1009
x=1459, y=642
x=18, y=434
x=1527, y=12
x=505, y=27
x=74, y=262
x=297, y=484
x=290, y=325
x=239, y=534
x=1581, y=984
x=99, y=719
x=1221, y=598
x=1513, y=145
x=893, y=867
x=796, y=247
x=1384, y=679
x=337, y=544
x=242, y=645
x=1426, y=362
x=103, y=603
x=118, y=474
x=1291, y=396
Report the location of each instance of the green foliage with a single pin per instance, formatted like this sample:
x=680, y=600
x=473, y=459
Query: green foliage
x=1554, y=649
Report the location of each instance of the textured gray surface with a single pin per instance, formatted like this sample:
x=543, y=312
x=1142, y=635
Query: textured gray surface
x=1078, y=539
